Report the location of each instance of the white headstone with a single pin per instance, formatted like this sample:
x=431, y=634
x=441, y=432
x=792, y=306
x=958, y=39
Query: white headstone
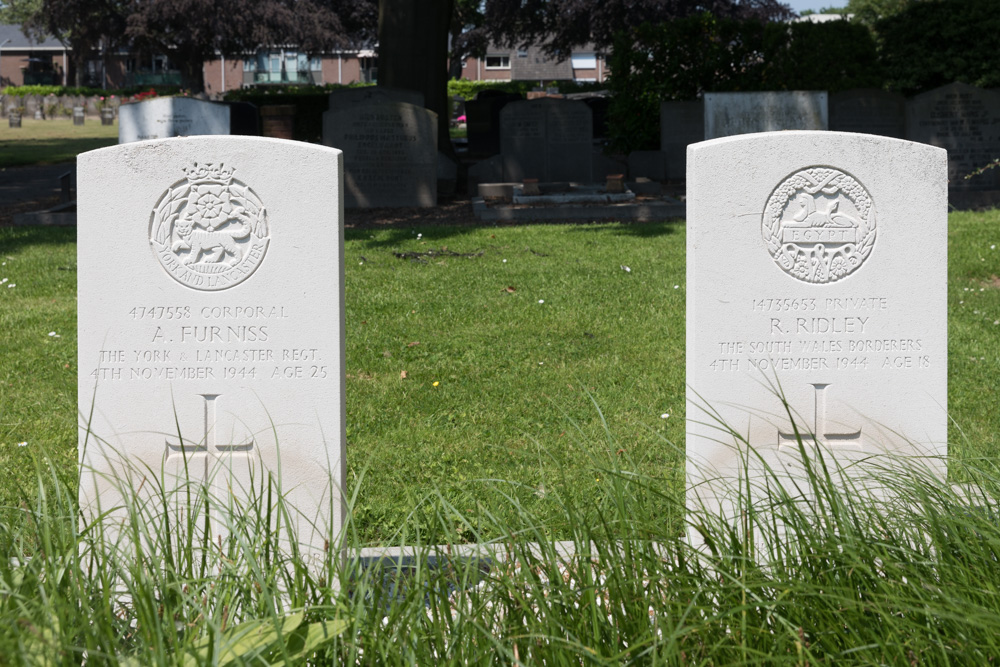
x=164, y=117
x=211, y=302
x=727, y=114
x=816, y=268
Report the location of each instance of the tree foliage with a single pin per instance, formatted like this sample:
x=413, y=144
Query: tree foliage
x=681, y=59
x=964, y=44
x=561, y=25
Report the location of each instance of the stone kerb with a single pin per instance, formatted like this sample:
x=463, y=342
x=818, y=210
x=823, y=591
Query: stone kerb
x=211, y=322
x=801, y=284
x=548, y=139
x=390, y=153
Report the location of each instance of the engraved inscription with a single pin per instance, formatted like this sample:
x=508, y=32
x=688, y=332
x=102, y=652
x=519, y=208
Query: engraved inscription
x=819, y=225
x=209, y=231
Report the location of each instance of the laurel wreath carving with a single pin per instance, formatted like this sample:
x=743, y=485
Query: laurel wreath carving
x=812, y=180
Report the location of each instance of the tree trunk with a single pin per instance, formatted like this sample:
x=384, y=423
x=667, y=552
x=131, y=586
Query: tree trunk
x=413, y=54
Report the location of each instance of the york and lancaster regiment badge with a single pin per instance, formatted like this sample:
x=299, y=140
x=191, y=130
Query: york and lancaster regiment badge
x=210, y=230
x=819, y=225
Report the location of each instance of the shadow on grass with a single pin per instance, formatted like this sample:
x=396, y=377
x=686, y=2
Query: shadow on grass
x=437, y=235
x=27, y=152
x=12, y=239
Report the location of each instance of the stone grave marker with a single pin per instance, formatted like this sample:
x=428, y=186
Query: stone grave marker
x=965, y=120
x=78, y=115
x=163, y=117
x=816, y=268
x=211, y=319
x=868, y=111
x=727, y=114
x=345, y=98
x=681, y=123
x=483, y=120
x=390, y=153
x=548, y=139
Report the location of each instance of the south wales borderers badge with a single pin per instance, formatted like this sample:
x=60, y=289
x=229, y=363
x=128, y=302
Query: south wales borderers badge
x=819, y=225
x=210, y=230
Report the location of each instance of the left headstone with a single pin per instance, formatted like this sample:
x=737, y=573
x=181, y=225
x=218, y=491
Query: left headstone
x=211, y=320
x=164, y=117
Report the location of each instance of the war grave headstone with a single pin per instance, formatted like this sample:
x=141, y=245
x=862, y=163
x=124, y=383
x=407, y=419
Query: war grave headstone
x=548, y=139
x=965, y=121
x=681, y=123
x=163, y=117
x=211, y=320
x=868, y=111
x=728, y=114
x=390, y=153
x=801, y=282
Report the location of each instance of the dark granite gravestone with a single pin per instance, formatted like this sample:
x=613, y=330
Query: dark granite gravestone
x=390, y=153
x=965, y=120
x=681, y=123
x=549, y=139
x=483, y=120
x=868, y=111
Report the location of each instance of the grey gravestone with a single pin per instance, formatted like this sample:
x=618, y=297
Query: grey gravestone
x=868, y=111
x=78, y=115
x=548, y=139
x=965, y=120
x=14, y=117
x=483, y=120
x=349, y=97
x=681, y=123
x=163, y=117
x=728, y=114
x=108, y=116
x=390, y=153
x=211, y=322
x=801, y=283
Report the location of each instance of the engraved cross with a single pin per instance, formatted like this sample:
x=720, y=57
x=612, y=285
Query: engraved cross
x=208, y=443
x=818, y=433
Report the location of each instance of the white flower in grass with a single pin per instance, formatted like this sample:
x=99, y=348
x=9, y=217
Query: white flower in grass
x=626, y=269
x=11, y=285
x=22, y=444
x=541, y=301
x=53, y=334
x=665, y=415
x=677, y=286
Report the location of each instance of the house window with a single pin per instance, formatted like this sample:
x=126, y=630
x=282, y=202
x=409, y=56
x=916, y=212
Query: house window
x=249, y=65
x=522, y=53
x=584, y=61
x=315, y=64
x=497, y=62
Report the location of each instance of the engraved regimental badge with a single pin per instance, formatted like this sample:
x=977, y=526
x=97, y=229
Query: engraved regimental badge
x=209, y=231
x=819, y=225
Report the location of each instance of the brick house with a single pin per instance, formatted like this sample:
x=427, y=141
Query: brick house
x=26, y=61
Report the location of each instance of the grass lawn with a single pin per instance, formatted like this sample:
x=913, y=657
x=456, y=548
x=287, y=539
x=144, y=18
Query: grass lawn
x=537, y=362
x=52, y=141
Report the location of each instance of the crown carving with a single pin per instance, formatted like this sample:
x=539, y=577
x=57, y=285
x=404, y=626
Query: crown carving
x=217, y=174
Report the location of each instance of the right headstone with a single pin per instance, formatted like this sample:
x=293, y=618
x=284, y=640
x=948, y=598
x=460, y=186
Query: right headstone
x=817, y=272
x=965, y=120
x=727, y=114
x=390, y=153
x=164, y=117
x=548, y=139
